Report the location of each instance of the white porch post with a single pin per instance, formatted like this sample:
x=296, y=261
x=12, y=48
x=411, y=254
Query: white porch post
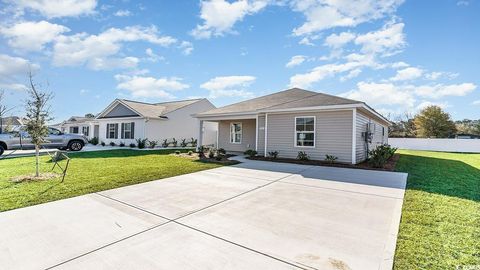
x=354, y=136
x=256, y=133
x=266, y=135
x=200, y=134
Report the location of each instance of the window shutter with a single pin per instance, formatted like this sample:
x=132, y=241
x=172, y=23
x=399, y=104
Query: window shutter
x=122, y=134
x=116, y=131
x=108, y=127
x=132, y=128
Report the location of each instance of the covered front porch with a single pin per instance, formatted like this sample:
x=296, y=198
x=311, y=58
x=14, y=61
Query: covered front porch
x=235, y=134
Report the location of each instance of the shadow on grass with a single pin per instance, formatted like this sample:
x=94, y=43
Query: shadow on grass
x=441, y=176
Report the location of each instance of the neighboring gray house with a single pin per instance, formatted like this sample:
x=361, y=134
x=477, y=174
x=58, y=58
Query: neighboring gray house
x=299, y=120
x=127, y=120
x=10, y=123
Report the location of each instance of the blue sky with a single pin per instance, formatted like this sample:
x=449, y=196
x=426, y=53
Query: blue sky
x=398, y=56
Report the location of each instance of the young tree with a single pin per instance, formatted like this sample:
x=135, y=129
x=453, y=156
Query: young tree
x=434, y=122
x=37, y=116
x=90, y=115
x=3, y=110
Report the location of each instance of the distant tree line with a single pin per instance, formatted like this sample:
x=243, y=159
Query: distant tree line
x=431, y=122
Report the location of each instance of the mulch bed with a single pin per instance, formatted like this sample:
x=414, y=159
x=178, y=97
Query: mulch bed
x=390, y=166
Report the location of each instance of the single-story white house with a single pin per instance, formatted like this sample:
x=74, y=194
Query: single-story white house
x=299, y=120
x=127, y=120
x=87, y=126
x=10, y=123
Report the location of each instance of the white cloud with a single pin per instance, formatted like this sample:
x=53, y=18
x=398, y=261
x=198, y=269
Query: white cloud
x=325, y=14
x=476, y=102
x=439, y=74
x=399, y=65
x=306, y=41
x=409, y=73
x=122, y=13
x=229, y=86
x=150, y=87
x=98, y=51
x=57, y=8
x=187, y=47
x=339, y=40
x=382, y=94
x=14, y=69
x=219, y=16
x=153, y=57
x=295, y=61
x=425, y=104
x=352, y=74
x=387, y=41
x=32, y=36
x=441, y=90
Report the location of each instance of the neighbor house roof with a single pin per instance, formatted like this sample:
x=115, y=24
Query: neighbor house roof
x=12, y=120
x=291, y=98
x=153, y=110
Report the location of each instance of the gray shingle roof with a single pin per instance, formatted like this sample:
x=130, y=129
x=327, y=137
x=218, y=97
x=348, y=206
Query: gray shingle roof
x=291, y=98
x=155, y=110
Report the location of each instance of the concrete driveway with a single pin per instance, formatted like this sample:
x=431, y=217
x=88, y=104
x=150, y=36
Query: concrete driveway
x=255, y=215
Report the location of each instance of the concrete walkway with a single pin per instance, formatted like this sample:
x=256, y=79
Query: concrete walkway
x=255, y=215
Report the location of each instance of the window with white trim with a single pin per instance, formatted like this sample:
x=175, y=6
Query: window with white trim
x=235, y=132
x=128, y=130
x=85, y=130
x=305, y=131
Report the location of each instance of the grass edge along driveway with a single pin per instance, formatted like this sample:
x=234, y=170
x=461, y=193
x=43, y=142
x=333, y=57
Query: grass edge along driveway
x=90, y=172
x=440, y=227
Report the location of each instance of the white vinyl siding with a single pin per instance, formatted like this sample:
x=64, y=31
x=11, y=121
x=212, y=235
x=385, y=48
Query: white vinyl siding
x=236, y=133
x=261, y=135
x=248, y=135
x=380, y=135
x=333, y=135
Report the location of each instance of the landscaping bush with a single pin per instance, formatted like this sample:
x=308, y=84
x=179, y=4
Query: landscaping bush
x=174, y=142
x=121, y=144
x=211, y=153
x=165, y=143
x=177, y=152
x=302, y=155
x=183, y=143
x=112, y=144
x=102, y=143
x=219, y=156
x=273, y=154
x=132, y=145
x=190, y=153
x=152, y=144
x=250, y=153
x=330, y=158
x=201, y=151
x=379, y=156
x=93, y=141
x=193, y=142
x=221, y=151
x=141, y=143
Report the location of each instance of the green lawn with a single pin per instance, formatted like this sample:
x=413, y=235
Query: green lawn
x=440, y=227
x=89, y=172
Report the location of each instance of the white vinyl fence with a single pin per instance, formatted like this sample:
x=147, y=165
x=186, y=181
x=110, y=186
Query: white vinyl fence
x=446, y=145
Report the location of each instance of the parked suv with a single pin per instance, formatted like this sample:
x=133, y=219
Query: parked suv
x=55, y=139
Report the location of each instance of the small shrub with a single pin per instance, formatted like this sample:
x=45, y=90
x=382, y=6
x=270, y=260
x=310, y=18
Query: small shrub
x=211, y=153
x=219, y=156
x=302, y=155
x=152, y=144
x=379, y=156
x=141, y=143
x=330, y=158
x=121, y=144
x=132, y=145
x=102, y=143
x=112, y=144
x=183, y=143
x=273, y=154
x=177, y=152
x=201, y=151
x=93, y=141
x=190, y=153
x=174, y=142
x=165, y=143
x=250, y=153
x=221, y=151
x=193, y=142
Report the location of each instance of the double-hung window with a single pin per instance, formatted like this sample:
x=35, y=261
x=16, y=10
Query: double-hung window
x=85, y=130
x=74, y=130
x=128, y=130
x=305, y=131
x=236, y=133
x=112, y=131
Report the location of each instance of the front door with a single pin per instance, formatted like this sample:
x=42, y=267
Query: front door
x=96, y=131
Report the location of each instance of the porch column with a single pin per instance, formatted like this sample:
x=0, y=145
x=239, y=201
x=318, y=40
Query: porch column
x=200, y=134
